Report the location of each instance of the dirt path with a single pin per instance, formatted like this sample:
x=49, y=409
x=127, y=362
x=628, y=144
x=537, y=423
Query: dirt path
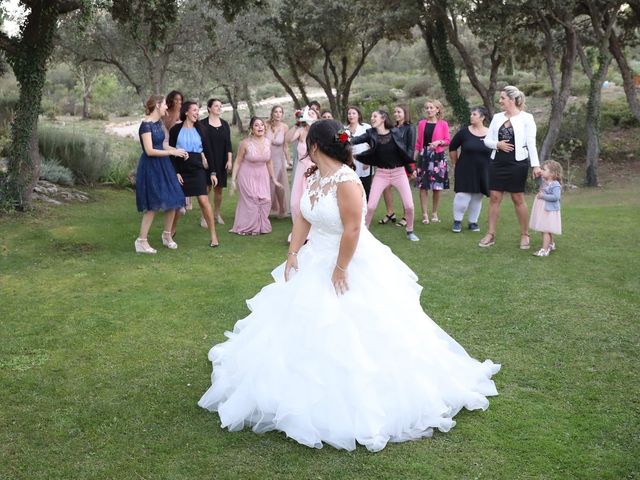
x=129, y=129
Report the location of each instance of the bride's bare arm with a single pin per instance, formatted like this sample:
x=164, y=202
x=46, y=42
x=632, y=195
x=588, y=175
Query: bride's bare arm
x=299, y=235
x=350, y=205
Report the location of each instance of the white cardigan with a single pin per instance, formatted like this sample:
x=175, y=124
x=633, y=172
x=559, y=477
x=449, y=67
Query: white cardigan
x=524, y=131
x=362, y=170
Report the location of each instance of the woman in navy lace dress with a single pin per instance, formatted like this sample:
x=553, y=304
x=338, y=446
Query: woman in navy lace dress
x=157, y=186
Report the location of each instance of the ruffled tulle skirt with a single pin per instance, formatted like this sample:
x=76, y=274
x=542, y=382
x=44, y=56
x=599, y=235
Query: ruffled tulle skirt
x=344, y=369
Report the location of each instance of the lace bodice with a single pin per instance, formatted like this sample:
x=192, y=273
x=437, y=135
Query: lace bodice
x=319, y=204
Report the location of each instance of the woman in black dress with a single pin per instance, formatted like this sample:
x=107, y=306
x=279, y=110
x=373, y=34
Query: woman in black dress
x=512, y=137
x=194, y=171
x=218, y=138
x=471, y=169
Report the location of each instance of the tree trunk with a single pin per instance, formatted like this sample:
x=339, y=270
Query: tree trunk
x=561, y=92
x=86, y=98
x=486, y=93
x=285, y=85
x=592, y=120
x=29, y=63
x=247, y=98
x=435, y=37
x=627, y=75
x=235, y=118
x=299, y=83
x=603, y=19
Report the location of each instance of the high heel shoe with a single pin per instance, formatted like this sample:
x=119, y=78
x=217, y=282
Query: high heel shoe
x=214, y=245
x=168, y=242
x=524, y=241
x=402, y=222
x=388, y=218
x=142, y=246
x=219, y=220
x=488, y=240
x=435, y=219
x=425, y=218
x=543, y=252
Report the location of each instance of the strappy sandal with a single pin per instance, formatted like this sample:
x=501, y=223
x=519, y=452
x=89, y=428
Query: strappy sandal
x=425, y=219
x=388, y=218
x=524, y=245
x=402, y=222
x=435, y=219
x=488, y=240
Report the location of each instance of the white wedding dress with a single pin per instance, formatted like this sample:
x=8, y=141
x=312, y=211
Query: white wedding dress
x=369, y=366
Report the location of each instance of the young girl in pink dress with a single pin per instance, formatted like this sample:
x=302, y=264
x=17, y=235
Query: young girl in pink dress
x=250, y=176
x=545, y=214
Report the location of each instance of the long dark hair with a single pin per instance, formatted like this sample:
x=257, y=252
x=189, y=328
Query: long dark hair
x=353, y=107
x=171, y=98
x=407, y=114
x=324, y=135
x=388, y=124
x=185, y=108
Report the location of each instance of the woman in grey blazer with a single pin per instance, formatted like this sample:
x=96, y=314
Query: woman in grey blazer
x=512, y=137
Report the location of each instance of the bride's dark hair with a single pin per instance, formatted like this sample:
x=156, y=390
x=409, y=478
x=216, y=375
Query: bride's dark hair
x=324, y=134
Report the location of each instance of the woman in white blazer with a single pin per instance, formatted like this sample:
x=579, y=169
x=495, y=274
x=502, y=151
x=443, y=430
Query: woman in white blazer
x=512, y=137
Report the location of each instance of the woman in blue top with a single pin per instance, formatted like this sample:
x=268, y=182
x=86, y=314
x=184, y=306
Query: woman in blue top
x=157, y=187
x=193, y=171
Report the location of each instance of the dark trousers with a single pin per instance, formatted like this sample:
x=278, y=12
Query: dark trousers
x=366, y=183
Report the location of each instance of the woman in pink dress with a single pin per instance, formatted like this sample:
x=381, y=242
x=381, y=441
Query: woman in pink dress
x=299, y=132
x=250, y=176
x=276, y=131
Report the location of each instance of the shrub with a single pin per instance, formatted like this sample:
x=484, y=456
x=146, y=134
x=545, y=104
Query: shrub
x=98, y=114
x=269, y=90
x=617, y=114
x=7, y=106
x=52, y=171
x=418, y=87
x=580, y=86
x=572, y=128
x=533, y=88
x=86, y=156
x=374, y=99
x=119, y=170
x=6, y=205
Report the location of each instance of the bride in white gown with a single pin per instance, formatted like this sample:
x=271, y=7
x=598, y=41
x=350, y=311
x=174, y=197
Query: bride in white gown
x=324, y=356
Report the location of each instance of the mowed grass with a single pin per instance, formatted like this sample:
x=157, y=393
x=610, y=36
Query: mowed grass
x=104, y=352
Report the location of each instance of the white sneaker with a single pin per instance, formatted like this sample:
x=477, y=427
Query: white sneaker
x=412, y=237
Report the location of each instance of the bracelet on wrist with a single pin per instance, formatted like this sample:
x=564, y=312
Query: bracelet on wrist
x=340, y=268
x=293, y=254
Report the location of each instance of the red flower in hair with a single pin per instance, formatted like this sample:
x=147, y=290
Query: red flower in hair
x=343, y=136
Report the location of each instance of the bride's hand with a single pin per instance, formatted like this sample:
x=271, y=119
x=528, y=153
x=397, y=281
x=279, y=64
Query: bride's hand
x=292, y=262
x=339, y=280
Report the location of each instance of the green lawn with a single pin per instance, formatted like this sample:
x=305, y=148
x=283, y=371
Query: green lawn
x=103, y=352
